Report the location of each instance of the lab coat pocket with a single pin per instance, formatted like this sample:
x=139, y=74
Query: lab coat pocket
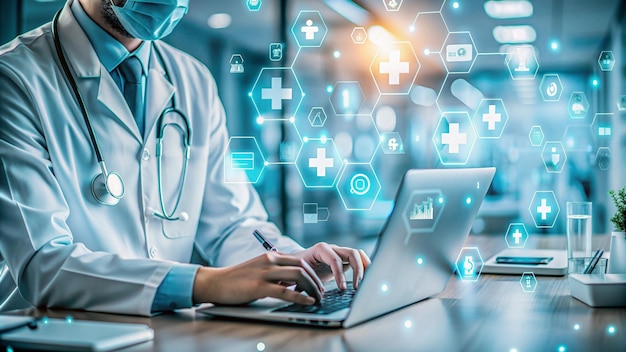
x=189, y=208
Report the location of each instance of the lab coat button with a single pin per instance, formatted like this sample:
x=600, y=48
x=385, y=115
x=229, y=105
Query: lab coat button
x=145, y=155
x=153, y=252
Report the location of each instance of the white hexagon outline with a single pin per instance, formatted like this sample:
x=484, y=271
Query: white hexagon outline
x=296, y=21
x=396, y=135
x=579, y=127
x=564, y=161
x=393, y=10
x=295, y=78
x=358, y=29
x=542, y=90
x=482, y=264
x=343, y=171
x=524, y=78
x=542, y=135
x=410, y=230
x=569, y=104
x=419, y=66
x=443, y=20
x=474, y=57
x=612, y=63
x=508, y=231
x=254, y=9
x=260, y=153
x=337, y=154
x=526, y=273
x=504, y=122
x=330, y=98
x=594, y=125
x=323, y=113
x=532, y=215
x=598, y=155
x=469, y=153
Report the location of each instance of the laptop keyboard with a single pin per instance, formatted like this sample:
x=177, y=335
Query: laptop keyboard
x=333, y=301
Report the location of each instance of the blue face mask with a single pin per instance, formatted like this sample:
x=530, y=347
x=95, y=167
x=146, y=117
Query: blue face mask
x=150, y=19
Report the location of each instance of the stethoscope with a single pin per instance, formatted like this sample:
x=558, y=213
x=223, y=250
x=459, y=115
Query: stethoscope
x=108, y=187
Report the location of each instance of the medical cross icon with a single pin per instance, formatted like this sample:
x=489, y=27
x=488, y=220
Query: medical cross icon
x=544, y=209
x=394, y=67
x=453, y=138
x=276, y=93
x=517, y=235
x=491, y=118
x=321, y=162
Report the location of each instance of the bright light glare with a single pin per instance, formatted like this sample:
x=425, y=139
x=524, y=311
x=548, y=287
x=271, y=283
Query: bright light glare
x=554, y=45
x=380, y=36
x=576, y=326
x=219, y=20
x=384, y=287
x=562, y=348
x=337, y=54
x=468, y=200
x=259, y=120
x=260, y=346
x=514, y=34
x=408, y=324
x=455, y=5
x=508, y=9
x=329, y=89
x=611, y=329
x=426, y=52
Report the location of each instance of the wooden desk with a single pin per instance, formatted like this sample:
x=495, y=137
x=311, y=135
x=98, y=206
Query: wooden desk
x=493, y=314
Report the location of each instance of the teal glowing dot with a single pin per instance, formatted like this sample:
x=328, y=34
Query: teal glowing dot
x=329, y=89
x=513, y=350
x=594, y=82
x=45, y=320
x=468, y=200
x=337, y=54
x=250, y=94
x=576, y=326
x=260, y=346
x=259, y=120
x=562, y=348
x=9, y=349
x=408, y=324
x=384, y=288
x=611, y=329
x=292, y=119
x=323, y=139
x=69, y=319
x=305, y=139
x=554, y=45
x=455, y=5
x=420, y=261
x=440, y=200
x=266, y=163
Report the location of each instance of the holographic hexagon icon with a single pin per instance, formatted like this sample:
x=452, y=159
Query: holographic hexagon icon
x=522, y=63
x=423, y=211
x=602, y=127
x=603, y=158
x=554, y=156
x=394, y=68
x=319, y=163
x=309, y=29
x=544, y=209
x=490, y=118
x=254, y=5
x=551, y=87
x=459, y=52
x=454, y=138
x=392, y=5
x=272, y=96
x=516, y=235
x=347, y=98
x=358, y=186
x=317, y=117
x=469, y=264
x=578, y=105
x=391, y=143
x=359, y=35
x=528, y=281
x=243, y=160
x=606, y=61
x=536, y=136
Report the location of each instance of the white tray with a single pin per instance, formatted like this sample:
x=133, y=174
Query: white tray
x=597, y=290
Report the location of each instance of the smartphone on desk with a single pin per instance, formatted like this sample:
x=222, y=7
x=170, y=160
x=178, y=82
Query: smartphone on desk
x=524, y=260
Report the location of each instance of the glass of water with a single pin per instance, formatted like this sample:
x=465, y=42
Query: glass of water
x=578, y=234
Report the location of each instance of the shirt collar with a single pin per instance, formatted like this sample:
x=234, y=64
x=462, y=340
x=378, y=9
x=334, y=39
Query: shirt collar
x=109, y=50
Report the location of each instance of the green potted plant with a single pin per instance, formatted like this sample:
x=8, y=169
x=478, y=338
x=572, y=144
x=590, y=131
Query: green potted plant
x=617, y=260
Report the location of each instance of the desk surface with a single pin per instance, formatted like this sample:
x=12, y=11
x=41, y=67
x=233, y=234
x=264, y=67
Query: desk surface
x=492, y=314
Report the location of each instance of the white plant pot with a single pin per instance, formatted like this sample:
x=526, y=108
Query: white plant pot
x=617, y=260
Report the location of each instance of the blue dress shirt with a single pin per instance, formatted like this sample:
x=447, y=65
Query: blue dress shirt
x=175, y=291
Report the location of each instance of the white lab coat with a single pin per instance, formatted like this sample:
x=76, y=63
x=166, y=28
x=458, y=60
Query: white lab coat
x=60, y=246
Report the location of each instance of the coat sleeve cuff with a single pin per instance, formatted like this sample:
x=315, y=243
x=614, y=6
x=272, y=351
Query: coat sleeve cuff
x=176, y=289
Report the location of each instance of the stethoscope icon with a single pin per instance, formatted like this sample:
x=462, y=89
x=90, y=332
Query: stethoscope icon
x=360, y=184
x=108, y=187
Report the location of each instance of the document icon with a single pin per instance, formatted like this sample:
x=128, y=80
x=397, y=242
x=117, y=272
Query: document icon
x=242, y=160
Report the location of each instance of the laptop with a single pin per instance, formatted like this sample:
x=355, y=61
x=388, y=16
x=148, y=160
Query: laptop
x=413, y=260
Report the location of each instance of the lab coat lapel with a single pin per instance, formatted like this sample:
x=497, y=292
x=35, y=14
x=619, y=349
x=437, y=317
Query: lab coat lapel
x=158, y=94
x=89, y=71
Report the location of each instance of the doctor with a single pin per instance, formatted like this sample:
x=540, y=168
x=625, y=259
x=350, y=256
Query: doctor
x=111, y=176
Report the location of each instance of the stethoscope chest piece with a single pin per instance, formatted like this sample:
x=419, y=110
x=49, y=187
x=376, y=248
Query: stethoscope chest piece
x=109, y=189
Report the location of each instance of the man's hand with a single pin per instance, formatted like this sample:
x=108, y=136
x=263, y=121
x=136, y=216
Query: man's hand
x=329, y=260
x=267, y=275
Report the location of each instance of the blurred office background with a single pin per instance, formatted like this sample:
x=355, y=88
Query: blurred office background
x=568, y=37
